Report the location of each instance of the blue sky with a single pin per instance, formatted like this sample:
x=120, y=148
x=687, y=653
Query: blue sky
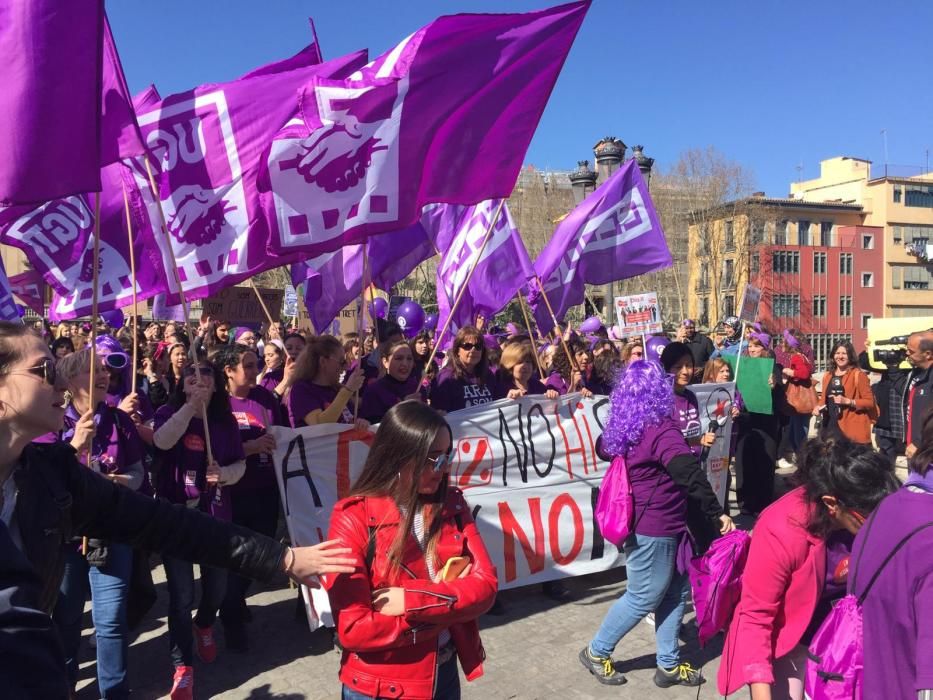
x=771, y=85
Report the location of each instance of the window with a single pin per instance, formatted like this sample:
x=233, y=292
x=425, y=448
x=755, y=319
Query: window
x=845, y=263
x=728, y=274
x=897, y=233
x=918, y=196
x=819, y=263
x=755, y=263
x=845, y=307
x=897, y=194
x=728, y=235
x=826, y=233
x=757, y=232
x=863, y=320
x=819, y=306
x=868, y=242
x=786, y=305
x=785, y=261
x=911, y=277
x=703, y=281
x=704, y=311
x=728, y=305
x=868, y=279
x=918, y=234
x=803, y=232
x=780, y=232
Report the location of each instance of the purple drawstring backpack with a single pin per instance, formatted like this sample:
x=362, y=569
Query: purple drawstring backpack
x=716, y=582
x=615, y=507
x=835, y=665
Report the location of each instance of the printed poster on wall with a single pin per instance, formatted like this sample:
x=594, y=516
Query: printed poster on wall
x=639, y=314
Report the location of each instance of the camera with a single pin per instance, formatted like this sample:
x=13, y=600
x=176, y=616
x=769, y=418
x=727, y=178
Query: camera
x=889, y=357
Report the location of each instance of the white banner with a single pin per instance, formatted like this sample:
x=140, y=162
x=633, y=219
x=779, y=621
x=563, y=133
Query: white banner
x=528, y=469
x=714, y=407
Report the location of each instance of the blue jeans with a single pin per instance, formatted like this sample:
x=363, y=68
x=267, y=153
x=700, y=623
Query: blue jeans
x=653, y=586
x=799, y=426
x=180, y=578
x=109, y=587
x=446, y=686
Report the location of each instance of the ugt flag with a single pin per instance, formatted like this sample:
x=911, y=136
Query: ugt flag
x=611, y=235
x=502, y=266
x=445, y=116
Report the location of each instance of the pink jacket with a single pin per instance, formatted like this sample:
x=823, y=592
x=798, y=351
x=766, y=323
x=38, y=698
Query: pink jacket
x=781, y=586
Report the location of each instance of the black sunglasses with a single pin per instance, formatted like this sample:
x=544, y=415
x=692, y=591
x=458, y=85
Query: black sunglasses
x=45, y=369
x=471, y=346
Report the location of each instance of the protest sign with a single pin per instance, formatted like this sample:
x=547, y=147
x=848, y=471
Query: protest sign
x=753, y=382
x=166, y=312
x=290, y=304
x=639, y=314
x=714, y=405
x=240, y=306
x=750, y=301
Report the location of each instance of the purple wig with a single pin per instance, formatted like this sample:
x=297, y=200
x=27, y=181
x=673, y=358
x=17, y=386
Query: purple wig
x=643, y=397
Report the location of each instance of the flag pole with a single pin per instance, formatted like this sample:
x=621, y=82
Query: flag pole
x=129, y=233
x=364, y=285
x=95, y=272
x=560, y=332
x=262, y=303
x=521, y=302
x=466, y=283
x=738, y=357
x=184, y=302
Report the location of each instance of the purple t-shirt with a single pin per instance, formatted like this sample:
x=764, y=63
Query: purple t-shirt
x=306, y=396
x=383, y=394
x=451, y=394
x=184, y=467
x=898, y=610
x=253, y=415
x=687, y=416
x=116, y=444
x=272, y=379
x=660, y=504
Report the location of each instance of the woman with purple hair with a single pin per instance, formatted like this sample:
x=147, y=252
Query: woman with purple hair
x=671, y=495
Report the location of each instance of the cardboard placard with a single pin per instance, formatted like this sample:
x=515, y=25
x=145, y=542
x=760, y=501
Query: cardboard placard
x=290, y=305
x=639, y=314
x=240, y=307
x=748, y=312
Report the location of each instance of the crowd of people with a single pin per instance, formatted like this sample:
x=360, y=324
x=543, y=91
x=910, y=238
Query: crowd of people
x=147, y=453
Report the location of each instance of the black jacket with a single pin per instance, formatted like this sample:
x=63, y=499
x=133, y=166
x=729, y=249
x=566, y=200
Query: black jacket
x=59, y=498
x=920, y=383
x=701, y=347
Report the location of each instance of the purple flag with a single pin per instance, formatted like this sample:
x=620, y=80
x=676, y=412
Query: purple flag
x=209, y=142
x=119, y=137
x=445, y=116
x=333, y=280
x=502, y=265
x=8, y=310
x=50, y=101
x=147, y=99
x=29, y=288
x=611, y=235
x=310, y=55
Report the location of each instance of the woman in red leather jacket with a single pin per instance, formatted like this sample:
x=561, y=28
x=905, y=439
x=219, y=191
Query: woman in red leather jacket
x=401, y=621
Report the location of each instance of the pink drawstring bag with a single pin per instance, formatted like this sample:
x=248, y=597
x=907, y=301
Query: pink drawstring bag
x=615, y=507
x=716, y=580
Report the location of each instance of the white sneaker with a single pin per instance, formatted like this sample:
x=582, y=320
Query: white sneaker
x=649, y=619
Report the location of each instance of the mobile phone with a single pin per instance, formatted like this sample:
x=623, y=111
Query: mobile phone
x=454, y=567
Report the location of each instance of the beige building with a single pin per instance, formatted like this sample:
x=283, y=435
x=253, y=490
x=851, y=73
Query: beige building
x=902, y=207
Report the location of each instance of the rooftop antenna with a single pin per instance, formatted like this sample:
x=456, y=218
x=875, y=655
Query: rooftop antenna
x=884, y=136
x=799, y=169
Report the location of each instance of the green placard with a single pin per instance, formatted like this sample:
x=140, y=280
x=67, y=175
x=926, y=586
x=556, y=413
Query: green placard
x=754, y=373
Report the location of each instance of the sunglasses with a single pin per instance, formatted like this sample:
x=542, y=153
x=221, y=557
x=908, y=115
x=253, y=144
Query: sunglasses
x=470, y=346
x=193, y=370
x=440, y=462
x=117, y=360
x=45, y=369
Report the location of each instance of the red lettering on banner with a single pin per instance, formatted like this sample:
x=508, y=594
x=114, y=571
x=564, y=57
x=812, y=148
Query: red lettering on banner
x=553, y=520
x=464, y=447
x=511, y=529
x=568, y=450
x=343, y=456
x=589, y=438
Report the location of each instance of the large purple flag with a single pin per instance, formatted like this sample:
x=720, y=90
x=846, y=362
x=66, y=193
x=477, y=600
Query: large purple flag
x=502, y=266
x=333, y=280
x=50, y=100
x=29, y=288
x=8, y=310
x=445, y=116
x=310, y=55
x=209, y=142
x=119, y=137
x=611, y=235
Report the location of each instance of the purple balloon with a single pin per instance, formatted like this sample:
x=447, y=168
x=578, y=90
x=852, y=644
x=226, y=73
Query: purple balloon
x=113, y=318
x=430, y=322
x=656, y=345
x=21, y=310
x=379, y=307
x=410, y=318
x=591, y=325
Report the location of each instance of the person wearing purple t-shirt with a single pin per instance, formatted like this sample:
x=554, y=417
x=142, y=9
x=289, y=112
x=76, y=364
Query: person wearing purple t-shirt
x=116, y=452
x=255, y=497
x=897, y=612
x=467, y=380
x=516, y=375
x=189, y=478
x=667, y=484
x=567, y=377
x=316, y=395
x=397, y=384
x=273, y=354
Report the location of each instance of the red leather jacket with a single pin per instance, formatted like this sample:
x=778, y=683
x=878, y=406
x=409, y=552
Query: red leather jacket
x=394, y=657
